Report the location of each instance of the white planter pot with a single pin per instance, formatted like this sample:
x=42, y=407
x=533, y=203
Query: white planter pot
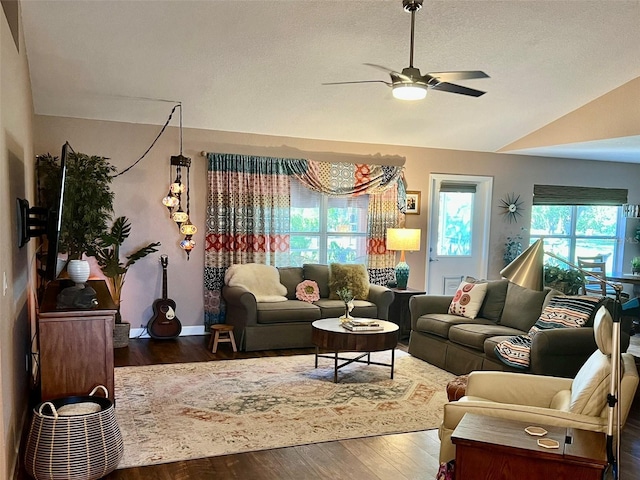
x=79, y=271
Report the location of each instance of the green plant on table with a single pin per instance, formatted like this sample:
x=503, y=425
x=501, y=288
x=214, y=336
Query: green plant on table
x=635, y=265
x=567, y=280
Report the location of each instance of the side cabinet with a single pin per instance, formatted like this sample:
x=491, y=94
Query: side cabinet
x=76, y=345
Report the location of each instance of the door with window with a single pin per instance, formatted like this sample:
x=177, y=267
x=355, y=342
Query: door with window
x=458, y=240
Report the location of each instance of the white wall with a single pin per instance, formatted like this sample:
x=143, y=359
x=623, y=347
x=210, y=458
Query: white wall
x=139, y=192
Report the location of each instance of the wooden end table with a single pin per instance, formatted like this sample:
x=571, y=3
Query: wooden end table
x=499, y=449
x=329, y=335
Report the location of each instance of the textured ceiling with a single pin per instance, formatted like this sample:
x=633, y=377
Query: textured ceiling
x=257, y=66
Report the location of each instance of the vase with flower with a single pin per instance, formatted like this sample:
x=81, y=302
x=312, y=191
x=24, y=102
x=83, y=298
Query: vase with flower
x=347, y=297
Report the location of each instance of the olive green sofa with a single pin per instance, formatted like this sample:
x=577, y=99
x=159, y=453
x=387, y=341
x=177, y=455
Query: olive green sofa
x=461, y=345
x=278, y=325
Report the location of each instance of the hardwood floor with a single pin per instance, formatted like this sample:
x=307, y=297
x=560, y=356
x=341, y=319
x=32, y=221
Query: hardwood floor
x=409, y=456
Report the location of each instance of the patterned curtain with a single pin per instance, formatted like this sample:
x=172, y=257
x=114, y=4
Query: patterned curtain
x=383, y=213
x=247, y=219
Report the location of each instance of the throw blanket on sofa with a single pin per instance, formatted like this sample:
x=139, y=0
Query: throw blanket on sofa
x=561, y=312
x=261, y=280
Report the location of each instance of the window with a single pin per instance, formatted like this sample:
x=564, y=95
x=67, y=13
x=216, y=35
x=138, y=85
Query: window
x=579, y=221
x=572, y=231
x=327, y=229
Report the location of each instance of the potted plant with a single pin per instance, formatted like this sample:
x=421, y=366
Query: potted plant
x=106, y=250
x=635, y=265
x=512, y=248
x=87, y=201
x=565, y=280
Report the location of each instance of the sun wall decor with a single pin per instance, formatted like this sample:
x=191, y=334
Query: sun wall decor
x=511, y=206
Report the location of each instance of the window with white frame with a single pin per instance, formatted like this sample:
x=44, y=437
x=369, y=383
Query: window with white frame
x=327, y=229
x=579, y=222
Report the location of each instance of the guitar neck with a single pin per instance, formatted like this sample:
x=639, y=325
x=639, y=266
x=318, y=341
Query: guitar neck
x=164, y=282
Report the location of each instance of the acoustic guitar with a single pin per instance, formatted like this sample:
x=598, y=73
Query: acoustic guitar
x=164, y=324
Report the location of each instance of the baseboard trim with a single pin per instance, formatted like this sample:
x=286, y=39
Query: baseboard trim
x=186, y=332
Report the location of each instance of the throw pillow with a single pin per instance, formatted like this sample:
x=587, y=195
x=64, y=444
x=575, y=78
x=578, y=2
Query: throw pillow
x=468, y=299
x=353, y=277
x=308, y=291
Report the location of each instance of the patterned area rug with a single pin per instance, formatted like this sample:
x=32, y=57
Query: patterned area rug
x=193, y=410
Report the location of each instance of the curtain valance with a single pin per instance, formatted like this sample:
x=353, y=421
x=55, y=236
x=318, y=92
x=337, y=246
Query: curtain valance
x=337, y=179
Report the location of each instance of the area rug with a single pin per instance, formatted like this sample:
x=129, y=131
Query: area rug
x=192, y=410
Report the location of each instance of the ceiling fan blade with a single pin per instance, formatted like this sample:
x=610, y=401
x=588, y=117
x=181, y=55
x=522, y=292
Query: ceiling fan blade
x=453, y=88
x=391, y=72
x=358, y=81
x=458, y=75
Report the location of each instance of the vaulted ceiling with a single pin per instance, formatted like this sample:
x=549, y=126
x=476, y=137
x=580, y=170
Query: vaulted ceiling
x=564, y=74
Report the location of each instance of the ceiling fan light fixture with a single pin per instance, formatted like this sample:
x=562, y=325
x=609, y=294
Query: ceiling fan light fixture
x=405, y=91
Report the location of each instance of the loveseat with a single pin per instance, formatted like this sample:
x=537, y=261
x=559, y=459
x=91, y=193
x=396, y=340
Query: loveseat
x=461, y=345
x=287, y=324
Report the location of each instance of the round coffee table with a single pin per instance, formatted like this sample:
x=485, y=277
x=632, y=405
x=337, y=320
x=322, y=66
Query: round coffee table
x=329, y=335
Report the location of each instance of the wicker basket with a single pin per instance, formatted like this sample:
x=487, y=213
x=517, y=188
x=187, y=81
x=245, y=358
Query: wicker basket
x=67, y=443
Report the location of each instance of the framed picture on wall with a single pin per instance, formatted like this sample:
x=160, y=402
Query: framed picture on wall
x=413, y=202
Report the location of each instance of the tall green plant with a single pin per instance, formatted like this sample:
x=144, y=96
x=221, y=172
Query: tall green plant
x=107, y=252
x=88, y=199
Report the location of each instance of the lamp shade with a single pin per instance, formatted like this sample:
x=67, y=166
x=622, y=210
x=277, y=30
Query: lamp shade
x=401, y=239
x=527, y=269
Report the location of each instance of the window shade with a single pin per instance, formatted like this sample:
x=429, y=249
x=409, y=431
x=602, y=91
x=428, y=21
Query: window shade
x=564, y=195
x=458, y=187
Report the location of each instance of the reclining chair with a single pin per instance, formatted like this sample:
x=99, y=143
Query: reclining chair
x=577, y=403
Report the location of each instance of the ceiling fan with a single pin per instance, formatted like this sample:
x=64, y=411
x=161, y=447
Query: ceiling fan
x=411, y=84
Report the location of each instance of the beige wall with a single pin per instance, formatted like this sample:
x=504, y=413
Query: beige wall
x=16, y=152
x=138, y=192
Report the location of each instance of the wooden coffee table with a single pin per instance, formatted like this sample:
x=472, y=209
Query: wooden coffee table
x=329, y=335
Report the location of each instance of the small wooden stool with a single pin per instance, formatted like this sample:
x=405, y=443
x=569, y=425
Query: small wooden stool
x=226, y=337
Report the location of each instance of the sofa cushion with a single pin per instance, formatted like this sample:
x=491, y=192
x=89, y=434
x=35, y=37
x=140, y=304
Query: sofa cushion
x=353, y=277
x=287, y=312
x=494, y=299
x=290, y=277
x=522, y=307
x=468, y=299
x=335, y=308
x=320, y=274
x=440, y=323
x=474, y=336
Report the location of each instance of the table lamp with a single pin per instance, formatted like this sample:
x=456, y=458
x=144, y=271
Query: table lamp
x=527, y=271
x=403, y=239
